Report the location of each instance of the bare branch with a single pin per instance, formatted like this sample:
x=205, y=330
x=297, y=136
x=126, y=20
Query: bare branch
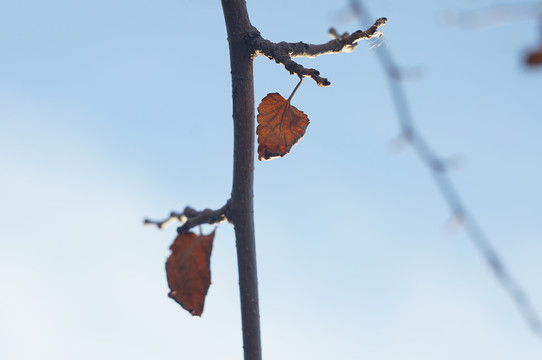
x=191, y=218
x=283, y=52
x=241, y=206
x=207, y=216
x=343, y=43
x=173, y=216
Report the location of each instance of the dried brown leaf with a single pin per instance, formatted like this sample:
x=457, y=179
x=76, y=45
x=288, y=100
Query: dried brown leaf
x=188, y=270
x=280, y=126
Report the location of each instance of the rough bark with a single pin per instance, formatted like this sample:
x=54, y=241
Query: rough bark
x=240, y=209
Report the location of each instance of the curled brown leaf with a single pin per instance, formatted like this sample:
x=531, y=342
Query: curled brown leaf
x=188, y=270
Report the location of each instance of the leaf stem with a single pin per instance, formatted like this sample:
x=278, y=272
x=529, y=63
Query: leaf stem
x=296, y=87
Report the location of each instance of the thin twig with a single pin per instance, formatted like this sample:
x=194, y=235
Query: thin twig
x=191, y=218
x=173, y=217
x=448, y=190
x=283, y=52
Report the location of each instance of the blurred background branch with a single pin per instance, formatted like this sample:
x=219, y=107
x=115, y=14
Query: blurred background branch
x=439, y=168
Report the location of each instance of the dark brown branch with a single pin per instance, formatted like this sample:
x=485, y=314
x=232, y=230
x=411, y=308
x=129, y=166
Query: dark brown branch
x=191, y=218
x=283, y=52
x=241, y=209
x=173, y=217
x=343, y=43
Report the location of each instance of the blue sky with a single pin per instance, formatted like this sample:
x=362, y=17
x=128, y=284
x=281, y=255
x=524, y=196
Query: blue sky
x=114, y=111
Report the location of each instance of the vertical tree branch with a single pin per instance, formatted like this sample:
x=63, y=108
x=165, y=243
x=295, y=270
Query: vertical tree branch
x=245, y=44
x=240, y=208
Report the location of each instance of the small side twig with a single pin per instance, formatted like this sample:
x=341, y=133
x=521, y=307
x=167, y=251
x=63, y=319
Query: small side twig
x=173, y=217
x=283, y=52
x=191, y=218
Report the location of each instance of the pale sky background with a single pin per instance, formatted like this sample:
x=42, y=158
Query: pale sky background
x=112, y=111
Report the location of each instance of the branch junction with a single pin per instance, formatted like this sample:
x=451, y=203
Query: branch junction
x=192, y=218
